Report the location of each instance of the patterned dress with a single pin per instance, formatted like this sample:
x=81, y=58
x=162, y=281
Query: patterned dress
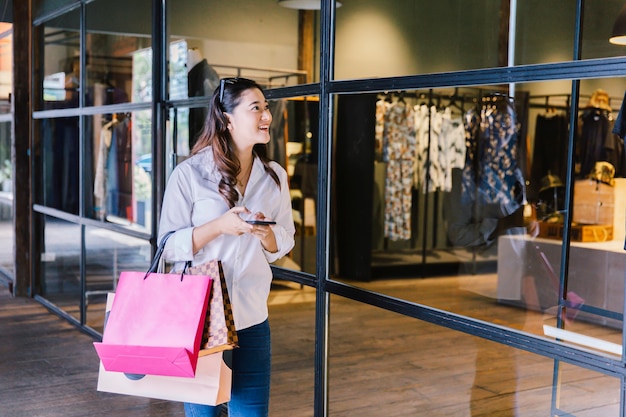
x=399, y=152
x=492, y=176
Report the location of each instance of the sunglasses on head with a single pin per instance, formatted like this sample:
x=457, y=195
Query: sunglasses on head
x=223, y=83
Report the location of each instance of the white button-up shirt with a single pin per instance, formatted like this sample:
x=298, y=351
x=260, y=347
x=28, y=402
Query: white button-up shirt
x=192, y=198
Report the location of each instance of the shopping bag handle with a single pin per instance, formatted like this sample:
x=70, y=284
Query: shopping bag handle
x=154, y=266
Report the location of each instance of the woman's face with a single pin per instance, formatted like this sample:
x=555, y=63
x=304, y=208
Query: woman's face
x=250, y=120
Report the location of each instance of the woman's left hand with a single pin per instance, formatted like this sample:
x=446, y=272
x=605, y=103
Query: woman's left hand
x=264, y=233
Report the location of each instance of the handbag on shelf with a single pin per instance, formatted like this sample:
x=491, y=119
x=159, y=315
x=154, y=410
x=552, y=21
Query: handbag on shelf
x=211, y=384
x=156, y=322
x=220, y=333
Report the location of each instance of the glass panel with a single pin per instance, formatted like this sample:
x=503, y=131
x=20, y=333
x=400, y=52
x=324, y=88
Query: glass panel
x=57, y=171
x=6, y=200
x=294, y=145
x=266, y=50
x=468, y=187
x=60, y=265
x=108, y=254
x=533, y=45
x=408, y=37
x=60, y=62
x=599, y=18
x=42, y=7
x=292, y=317
x=119, y=51
x=122, y=171
x=417, y=368
x=602, y=401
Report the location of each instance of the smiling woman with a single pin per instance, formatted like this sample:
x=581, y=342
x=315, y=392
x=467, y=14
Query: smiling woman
x=209, y=201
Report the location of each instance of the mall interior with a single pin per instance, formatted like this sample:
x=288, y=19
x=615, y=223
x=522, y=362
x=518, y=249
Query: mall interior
x=457, y=174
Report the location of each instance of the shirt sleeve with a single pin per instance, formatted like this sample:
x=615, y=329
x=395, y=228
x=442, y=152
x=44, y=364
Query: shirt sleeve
x=284, y=229
x=176, y=216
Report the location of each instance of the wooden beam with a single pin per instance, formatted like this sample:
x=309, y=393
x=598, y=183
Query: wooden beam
x=21, y=143
x=305, y=44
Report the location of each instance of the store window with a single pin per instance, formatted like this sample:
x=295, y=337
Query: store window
x=466, y=187
x=434, y=371
x=117, y=68
x=60, y=278
x=420, y=149
x=462, y=186
x=122, y=180
x=60, y=63
x=376, y=39
x=43, y=7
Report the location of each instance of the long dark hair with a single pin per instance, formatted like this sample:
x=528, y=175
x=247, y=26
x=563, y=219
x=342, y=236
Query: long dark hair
x=215, y=133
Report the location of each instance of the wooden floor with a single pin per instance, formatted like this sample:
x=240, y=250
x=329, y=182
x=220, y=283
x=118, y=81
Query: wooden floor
x=381, y=364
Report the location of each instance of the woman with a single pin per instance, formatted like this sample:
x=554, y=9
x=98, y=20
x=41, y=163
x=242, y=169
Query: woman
x=209, y=197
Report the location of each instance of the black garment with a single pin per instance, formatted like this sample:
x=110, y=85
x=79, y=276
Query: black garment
x=550, y=151
x=202, y=80
x=599, y=143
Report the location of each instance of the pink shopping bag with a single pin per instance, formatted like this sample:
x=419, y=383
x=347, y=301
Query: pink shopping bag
x=156, y=322
x=211, y=385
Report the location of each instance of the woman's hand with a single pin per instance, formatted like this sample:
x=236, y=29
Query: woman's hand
x=229, y=223
x=264, y=233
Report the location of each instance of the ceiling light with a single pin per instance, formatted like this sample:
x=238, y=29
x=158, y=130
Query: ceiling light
x=618, y=36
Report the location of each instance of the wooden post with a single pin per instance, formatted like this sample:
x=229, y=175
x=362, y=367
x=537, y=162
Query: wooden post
x=21, y=142
x=305, y=44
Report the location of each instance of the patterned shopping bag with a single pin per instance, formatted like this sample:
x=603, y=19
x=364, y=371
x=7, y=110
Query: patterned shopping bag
x=220, y=333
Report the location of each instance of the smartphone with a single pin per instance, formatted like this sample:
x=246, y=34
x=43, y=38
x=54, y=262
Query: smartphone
x=261, y=222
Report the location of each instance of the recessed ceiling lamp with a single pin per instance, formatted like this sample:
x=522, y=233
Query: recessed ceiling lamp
x=303, y=4
x=618, y=36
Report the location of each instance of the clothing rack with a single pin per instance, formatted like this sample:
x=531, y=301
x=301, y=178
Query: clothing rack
x=463, y=99
x=548, y=101
x=268, y=77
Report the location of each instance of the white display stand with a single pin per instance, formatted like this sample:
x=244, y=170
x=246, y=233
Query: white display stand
x=596, y=273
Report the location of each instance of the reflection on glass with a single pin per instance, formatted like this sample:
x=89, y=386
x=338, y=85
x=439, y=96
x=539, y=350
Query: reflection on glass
x=533, y=44
x=294, y=134
x=41, y=7
x=406, y=38
x=60, y=62
x=383, y=39
x=266, y=51
x=575, y=380
x=58, y=175
x=108, y=254
x=598, y=26
x=122, y=169
x=60, y=265
x=292, y=313
x=429, y=370
x=468, y=190
x=119, y=67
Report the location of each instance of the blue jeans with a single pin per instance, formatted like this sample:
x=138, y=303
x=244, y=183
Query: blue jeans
x=250, y=395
